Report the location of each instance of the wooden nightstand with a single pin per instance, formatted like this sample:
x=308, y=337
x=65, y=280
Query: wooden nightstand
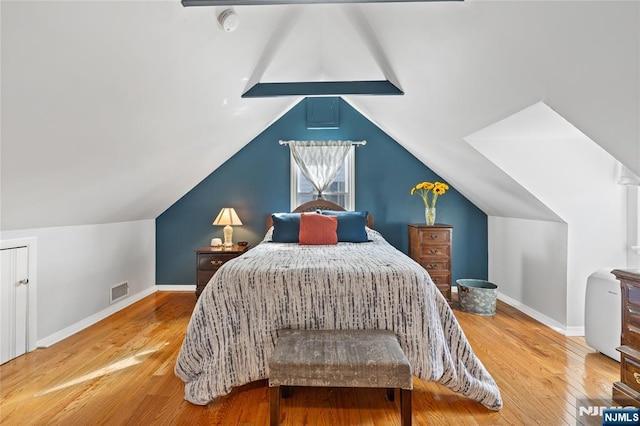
x=209, y=259
x=432, y=247
x=627, y=391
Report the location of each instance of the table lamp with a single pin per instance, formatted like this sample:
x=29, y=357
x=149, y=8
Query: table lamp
x=227, y=217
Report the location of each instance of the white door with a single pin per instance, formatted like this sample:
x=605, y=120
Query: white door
x=14, y=292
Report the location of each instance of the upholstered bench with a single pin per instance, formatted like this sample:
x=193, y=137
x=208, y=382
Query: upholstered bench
x=340, y=358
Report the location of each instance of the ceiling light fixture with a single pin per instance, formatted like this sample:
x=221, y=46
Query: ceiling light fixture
x=228, y=20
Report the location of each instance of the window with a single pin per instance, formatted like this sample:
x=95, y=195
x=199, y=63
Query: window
x=341, y=191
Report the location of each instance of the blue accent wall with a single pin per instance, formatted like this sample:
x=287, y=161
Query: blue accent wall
x=255, y=181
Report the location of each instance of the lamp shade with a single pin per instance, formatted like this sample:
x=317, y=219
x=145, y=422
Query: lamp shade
x=227, y=216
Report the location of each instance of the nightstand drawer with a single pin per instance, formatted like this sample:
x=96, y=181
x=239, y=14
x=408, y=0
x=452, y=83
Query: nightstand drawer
x=445, y=290
x=433, y=265
x=440, y=278
x=631, y=327
x=204, y=277
x=633, y=297
x=430, y=251
x=212, y=262
x=209, y=259
x=429, y=237
x=630, y=372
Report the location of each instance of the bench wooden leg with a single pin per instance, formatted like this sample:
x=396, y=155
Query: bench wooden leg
x=274, y=405
x=285, y=391
x=391, y=394
x=405, y=407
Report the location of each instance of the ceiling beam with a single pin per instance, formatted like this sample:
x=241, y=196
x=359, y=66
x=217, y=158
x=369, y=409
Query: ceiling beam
x=323, y=88
x=269, y=2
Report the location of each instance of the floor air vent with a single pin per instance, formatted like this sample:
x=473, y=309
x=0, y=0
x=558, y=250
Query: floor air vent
x=119, y=291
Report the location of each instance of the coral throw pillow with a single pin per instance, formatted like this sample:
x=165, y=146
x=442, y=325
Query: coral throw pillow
x=318, y=229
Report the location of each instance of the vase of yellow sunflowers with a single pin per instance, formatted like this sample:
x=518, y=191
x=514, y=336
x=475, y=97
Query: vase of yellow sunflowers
x=430, y=191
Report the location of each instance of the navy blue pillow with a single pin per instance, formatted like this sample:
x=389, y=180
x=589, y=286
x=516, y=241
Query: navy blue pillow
x=286, y=227
x=351, y=226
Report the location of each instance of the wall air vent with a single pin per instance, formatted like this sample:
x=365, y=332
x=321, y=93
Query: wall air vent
x=323, y=113
x=118, y=291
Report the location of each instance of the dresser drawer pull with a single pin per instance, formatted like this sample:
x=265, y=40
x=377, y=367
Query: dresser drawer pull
x=434, y=251
x=433, y=236
x=217, y=262
x=433, y=266
x=637, y=377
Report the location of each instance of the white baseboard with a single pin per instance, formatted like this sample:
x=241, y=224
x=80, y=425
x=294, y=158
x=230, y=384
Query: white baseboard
x=574, y=331
x=81, y=325
x=549, y=322
x=176, y=287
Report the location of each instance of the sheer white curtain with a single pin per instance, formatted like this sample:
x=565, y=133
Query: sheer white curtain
x=320, y=161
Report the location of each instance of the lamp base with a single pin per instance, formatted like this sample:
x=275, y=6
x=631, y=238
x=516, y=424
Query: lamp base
x=228, y=236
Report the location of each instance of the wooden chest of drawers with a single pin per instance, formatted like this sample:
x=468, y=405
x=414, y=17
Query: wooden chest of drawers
x=431, y=247
x=209, y=259
x=627, y=390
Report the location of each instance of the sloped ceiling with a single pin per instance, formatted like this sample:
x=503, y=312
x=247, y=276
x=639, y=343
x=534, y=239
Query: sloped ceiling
x=321, y=43
x=111, y=111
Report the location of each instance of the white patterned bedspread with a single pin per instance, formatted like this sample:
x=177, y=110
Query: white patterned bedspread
x=233, y=329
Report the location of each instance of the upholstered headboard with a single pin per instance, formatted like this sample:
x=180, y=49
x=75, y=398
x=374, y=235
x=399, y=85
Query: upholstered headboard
x=312, y=206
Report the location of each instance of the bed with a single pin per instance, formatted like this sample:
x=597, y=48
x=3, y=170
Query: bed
x=348, y=285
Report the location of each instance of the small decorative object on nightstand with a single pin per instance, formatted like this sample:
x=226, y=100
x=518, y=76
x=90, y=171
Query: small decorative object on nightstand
x=227, y=217
x=431, y=246
x=209, y=259
x=430, y=191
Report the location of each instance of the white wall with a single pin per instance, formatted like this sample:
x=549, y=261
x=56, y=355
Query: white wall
x=633, y=224
x=77, y=266
x=577, y=180
x=528, y=262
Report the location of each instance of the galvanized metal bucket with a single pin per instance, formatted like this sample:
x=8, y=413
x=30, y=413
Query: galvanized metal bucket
x=477, y=296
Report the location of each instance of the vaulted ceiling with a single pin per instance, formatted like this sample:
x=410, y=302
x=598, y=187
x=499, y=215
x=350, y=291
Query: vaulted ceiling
x=111, y=111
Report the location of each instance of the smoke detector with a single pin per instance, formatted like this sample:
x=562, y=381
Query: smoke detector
x=228, y=20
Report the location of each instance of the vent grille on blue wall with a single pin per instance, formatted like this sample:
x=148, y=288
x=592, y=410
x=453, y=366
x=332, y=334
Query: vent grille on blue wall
x=323, y=113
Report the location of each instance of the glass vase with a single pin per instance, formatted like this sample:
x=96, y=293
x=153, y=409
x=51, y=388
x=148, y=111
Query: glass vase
x=430, y=215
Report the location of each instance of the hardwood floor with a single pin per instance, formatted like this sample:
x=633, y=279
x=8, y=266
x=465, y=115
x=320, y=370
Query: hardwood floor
x=120, y=372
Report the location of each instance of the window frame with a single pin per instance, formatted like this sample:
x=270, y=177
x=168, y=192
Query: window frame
x=349, y=162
